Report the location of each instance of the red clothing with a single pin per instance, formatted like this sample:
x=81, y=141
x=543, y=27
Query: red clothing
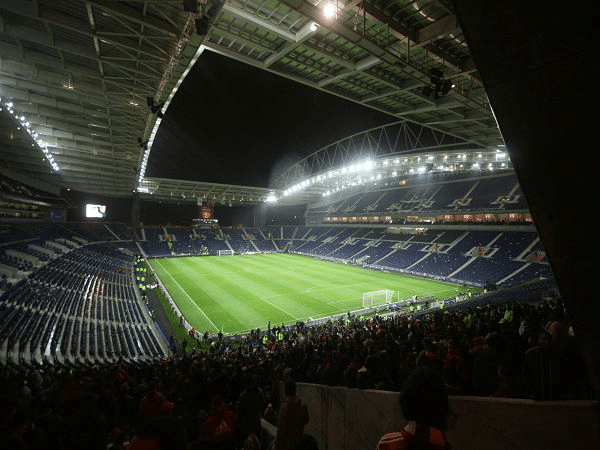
x=144, y=443
x=220, y=426
x=151, y=403
x=559, y=332
x=400, y=440
x=293, y=415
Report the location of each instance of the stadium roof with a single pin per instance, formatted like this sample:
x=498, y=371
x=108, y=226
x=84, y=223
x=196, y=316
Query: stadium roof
x=76, y=74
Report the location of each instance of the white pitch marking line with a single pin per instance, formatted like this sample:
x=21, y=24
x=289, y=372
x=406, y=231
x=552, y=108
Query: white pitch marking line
x=188, y=296
x=280, y=309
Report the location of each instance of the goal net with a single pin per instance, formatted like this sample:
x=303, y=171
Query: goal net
x=225, y=253
x=377, y=298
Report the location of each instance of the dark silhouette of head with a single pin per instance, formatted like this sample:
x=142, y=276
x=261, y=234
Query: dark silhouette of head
x=424, y=398
x=289, y=387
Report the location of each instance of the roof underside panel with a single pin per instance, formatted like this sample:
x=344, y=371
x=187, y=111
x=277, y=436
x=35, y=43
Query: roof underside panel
x=80, y=70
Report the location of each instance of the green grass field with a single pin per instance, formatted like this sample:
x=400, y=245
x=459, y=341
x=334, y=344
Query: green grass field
x=238, y=293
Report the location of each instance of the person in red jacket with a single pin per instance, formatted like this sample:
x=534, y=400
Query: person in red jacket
x=424, y=404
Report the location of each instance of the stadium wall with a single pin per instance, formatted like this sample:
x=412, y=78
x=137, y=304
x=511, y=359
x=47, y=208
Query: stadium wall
x=537, y=85
x=356, y=419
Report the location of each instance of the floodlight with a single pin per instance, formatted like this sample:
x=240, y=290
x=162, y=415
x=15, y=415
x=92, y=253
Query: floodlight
x=314, y=26
x=329, y=11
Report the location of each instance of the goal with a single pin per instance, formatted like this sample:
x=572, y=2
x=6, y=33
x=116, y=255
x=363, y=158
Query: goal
x=225, y=253
x=377, y=298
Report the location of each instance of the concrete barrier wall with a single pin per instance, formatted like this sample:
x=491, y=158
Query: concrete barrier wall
x=353, y=419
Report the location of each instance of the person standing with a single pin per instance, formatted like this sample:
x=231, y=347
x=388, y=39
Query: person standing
x=249, y=408
x=424, y=404
x=293, y=415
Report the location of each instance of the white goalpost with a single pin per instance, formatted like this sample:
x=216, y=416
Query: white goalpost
x=377, y=298
x=225, y=252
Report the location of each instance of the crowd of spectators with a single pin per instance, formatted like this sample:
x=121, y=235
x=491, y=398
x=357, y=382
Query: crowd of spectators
x=216, y=398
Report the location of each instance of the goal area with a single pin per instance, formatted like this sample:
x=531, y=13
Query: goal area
x=377, y=298
x=225, y=252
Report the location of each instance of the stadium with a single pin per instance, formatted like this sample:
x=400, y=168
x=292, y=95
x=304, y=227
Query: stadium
x=206, y=205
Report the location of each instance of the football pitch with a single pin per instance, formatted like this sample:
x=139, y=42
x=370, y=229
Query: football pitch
x=235, y=294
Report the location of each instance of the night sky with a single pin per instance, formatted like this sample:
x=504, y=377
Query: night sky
x=236, y=124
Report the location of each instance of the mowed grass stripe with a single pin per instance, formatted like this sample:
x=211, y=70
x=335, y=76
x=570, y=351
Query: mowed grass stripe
x=287, y=287
x=216, y=273
x=351, y=282
x=231, y=309
x=320, y=303
x=195, y=290
x=308, y=280
x=321, y=291
x=248, y=293
x=185, y=302
x=240, y=293
x=220, y=303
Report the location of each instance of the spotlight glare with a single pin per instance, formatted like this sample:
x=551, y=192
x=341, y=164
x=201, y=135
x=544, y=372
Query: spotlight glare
x=329, y=11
